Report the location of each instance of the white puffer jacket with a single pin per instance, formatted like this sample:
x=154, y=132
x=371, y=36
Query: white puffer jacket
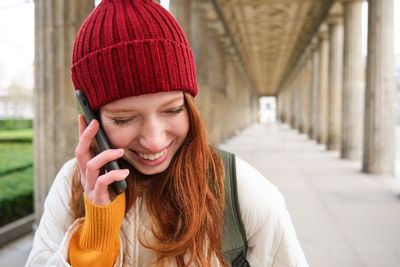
x=270, y=234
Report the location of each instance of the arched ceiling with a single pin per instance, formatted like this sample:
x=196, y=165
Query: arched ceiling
x=271, y=34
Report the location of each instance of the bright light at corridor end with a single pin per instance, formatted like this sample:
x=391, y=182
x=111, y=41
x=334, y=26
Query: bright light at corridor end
x=267, y=112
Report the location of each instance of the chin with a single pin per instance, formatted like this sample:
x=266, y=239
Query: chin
x=147, y=171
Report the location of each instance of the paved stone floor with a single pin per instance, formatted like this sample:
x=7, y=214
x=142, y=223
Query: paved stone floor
x=343, y=218
x=15, y=253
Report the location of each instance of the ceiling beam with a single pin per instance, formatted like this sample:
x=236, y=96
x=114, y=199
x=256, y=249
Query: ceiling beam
x=231, y=37
x=262, y=3
x=297, y=54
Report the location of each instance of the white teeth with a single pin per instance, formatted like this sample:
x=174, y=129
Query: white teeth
x=152, y=156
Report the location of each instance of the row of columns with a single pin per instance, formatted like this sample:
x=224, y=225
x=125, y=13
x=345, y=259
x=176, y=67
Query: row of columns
x=226, y=99
x=224, y=87
x=329, y=97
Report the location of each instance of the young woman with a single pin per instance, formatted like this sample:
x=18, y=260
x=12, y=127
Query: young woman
x=133, y=62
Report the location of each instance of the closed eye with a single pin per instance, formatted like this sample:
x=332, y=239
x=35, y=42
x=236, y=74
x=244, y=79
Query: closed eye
x=174, y=111
x=122, y=121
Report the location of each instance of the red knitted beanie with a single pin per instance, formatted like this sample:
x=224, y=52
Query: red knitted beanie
x=129, y=48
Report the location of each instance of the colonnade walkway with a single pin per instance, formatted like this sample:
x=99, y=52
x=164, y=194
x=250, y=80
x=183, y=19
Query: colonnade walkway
x=343, y=217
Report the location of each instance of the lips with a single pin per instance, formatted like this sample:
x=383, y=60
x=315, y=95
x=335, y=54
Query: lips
x=148, y=159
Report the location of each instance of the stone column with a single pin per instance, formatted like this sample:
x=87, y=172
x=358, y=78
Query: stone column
x=181, y=10
x=379, y=131
x=299, y=103
x=314, y=131
x=322, y=113
x=335, y=83
x=256, y=108
x=55, y=124
x=287, y=100
x=212, y=51
x=216, y=81
x=310, y=92
x=283, y=101
x=200, y=50
x=278, y=107
x=353, y=81
x=305, y=93
x=293, y=101
x=281, y=106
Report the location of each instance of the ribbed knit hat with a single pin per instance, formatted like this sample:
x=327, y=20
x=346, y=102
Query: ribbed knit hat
x=129, y=48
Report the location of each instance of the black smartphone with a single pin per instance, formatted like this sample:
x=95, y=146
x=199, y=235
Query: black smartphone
x=101, y=138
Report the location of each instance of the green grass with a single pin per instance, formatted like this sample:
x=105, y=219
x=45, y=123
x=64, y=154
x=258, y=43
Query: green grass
x=21, y=181
x=16, y=135
x=15, y=155
x=16, y=174
x=12, y=124
x=16, y=195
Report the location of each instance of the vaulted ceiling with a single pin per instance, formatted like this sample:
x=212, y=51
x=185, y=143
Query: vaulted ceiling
x=271, y=35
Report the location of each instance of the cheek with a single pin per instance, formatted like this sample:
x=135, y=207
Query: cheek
x=119, y=137
x=180, y=127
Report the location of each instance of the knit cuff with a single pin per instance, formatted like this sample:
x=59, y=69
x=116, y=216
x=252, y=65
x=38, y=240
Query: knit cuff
x=102, y=224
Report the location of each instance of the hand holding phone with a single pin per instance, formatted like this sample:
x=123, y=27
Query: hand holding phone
x=101, y=138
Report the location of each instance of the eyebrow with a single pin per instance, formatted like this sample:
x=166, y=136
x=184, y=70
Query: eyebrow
x=173, y=100
x=122, y=109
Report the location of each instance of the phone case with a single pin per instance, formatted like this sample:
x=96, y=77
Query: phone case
x=101, y=138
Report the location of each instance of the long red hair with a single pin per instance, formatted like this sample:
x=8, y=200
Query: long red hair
x=190, y=191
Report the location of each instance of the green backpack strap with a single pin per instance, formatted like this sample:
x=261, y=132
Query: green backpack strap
x=234, y=242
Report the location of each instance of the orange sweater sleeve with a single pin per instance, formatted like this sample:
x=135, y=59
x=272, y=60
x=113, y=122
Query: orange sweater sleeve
x=96, y=242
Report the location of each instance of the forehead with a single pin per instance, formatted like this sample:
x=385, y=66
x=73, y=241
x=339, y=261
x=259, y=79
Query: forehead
x=144, y=101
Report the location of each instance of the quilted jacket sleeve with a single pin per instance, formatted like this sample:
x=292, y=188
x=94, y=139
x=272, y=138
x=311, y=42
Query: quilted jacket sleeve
x=272, y=240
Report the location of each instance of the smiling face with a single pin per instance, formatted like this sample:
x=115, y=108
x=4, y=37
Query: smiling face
x=151, y=128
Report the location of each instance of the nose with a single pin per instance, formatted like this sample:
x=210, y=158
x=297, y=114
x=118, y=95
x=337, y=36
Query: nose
x=153, y=135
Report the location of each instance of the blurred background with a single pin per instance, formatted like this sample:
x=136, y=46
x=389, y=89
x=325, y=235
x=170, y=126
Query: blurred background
x=306, y=91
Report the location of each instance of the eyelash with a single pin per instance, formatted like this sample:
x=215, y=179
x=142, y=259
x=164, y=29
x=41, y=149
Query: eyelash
x=172, y=112
x=175, y=111
x=121, y=122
